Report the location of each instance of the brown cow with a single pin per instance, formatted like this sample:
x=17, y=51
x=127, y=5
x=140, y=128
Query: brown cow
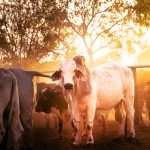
x=52, y=100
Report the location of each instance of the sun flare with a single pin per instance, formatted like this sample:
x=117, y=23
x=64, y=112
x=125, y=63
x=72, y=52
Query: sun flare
x=127, y=57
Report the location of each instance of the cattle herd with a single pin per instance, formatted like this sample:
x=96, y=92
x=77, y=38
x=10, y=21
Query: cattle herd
x=84, y=93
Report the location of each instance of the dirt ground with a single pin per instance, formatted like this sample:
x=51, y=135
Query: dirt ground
x=47, y=139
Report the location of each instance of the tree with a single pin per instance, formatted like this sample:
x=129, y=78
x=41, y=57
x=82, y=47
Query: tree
x=142, y=9
x=30, y=30
x=97, y=23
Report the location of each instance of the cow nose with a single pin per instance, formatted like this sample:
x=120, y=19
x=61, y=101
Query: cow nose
x=68, y=86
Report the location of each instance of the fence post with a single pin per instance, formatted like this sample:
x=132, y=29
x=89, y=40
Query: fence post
x=136, y=115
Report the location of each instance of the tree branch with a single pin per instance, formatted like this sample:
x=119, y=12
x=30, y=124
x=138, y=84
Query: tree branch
x=99, y=34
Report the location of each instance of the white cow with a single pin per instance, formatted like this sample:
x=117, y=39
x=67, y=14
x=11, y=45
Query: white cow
x=102, y=88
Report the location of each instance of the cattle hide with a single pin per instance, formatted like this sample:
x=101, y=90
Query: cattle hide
x=51, y=100
x=101, y=88
x=26, y=95
x=10, y=126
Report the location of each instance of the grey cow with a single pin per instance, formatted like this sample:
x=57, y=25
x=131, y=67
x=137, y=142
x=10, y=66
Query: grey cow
x=26, y=94
x=10, y=125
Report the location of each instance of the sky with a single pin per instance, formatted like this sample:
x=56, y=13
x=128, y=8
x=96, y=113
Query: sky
x=126, y=57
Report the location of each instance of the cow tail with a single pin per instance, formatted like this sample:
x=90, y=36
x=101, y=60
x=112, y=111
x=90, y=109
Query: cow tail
x=15, y=126
x=32, y=74
x=36, y=73
x=125, y=128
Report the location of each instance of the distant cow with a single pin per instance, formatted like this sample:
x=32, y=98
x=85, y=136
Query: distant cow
x=143, y=98
x=51, y=98
x=140, y=100
x=26, y=94
x=147, y=98
x=101, y=88
x=10, y=126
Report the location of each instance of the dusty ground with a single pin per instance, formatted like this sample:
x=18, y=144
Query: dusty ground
x=46, y=139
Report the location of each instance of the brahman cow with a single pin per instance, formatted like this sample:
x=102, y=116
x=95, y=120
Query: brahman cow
x=26, y=95
x=51, y=100
x=102, y=88
x=10, y=125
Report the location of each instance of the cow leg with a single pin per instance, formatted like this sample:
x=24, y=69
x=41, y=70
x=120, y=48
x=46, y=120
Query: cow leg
x=16, y=132
x=104, y=120
x=148, y=109
x=90, y=139
x=74, y=130
x=138, y=116
x=77, y=132
x=84, y=132
x=59, y=119
x=2, y=131
x=26, y=120
x=120, y=118
x=129, y=103
x=60, y=124
x=149, y=117
x=90, y=119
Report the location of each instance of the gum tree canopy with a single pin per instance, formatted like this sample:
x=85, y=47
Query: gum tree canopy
x=142, y=9
x=29, y=30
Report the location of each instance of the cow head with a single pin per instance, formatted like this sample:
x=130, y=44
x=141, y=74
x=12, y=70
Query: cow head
x=68, y=73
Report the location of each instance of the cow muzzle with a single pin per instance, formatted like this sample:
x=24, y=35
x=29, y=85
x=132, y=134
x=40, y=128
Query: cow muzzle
x=68, y=86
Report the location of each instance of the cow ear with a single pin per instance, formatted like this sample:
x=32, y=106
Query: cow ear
x=80, y=75
x=56, y=75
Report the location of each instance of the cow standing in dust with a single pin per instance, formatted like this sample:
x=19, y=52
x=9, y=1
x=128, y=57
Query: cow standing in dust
x=147, y=99
x=51, y=100
x=102, y=88
x=10, y=125
x=26, y=99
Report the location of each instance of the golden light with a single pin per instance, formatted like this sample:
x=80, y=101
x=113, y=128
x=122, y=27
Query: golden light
x=101, y=53
x=81, y=50
x=128, y=60
x=127, y=57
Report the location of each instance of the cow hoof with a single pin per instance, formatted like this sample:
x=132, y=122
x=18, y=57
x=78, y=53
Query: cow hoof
x=76, y=143
x=133, y=140
x=119, y=138
x=90, y=143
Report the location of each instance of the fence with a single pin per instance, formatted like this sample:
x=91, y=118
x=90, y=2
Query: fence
x=139, y=90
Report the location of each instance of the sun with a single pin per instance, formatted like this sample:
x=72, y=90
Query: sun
x=128, y=59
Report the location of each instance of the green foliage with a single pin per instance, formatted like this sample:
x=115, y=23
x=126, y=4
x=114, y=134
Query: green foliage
x=142, y=9
x=100, y=22
x=33, y=29
x=29, y=29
